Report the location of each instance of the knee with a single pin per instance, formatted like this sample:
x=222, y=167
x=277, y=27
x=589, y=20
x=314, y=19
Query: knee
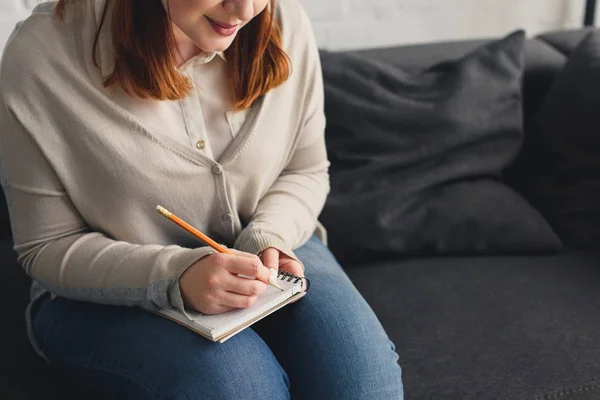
x=372, y=375
x=358, y=369
x=245, y=375
x=373, y=366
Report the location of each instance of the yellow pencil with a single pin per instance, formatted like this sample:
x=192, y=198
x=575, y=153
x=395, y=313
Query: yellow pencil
x=169, y=215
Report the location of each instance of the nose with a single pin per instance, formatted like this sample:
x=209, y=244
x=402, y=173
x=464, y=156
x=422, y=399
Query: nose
x=242, y=9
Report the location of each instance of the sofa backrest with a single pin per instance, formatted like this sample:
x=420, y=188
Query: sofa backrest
x=545, y=56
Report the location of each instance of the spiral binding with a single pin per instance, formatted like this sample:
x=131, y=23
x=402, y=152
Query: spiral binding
x=284, y=274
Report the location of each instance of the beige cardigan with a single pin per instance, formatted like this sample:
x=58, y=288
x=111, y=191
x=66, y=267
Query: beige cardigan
x=82, y=176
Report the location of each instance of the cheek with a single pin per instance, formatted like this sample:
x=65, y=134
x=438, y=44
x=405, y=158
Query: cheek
x=202, y=4
x=188, y=10
x=260, y=5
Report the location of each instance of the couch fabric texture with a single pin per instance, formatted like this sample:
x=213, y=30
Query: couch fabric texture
x=510, y=314
x=421, y=154
x=560, y=156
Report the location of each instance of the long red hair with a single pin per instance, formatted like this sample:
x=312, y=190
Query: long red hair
x=145, y=53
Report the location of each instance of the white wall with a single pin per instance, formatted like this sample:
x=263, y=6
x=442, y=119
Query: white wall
x=11, y=11
x=345, y=24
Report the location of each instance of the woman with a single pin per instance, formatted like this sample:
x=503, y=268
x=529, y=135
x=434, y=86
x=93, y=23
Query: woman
x=214, y=109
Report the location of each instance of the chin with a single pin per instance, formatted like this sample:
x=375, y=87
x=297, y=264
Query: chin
x=210, y=46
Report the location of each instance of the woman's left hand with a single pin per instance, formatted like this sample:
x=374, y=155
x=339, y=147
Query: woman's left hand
x=273, y=258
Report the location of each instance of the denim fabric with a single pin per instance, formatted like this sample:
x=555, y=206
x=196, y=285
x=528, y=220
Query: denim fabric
x=329, y=345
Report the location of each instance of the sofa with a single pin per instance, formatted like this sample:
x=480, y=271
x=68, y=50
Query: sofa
x=473, y=322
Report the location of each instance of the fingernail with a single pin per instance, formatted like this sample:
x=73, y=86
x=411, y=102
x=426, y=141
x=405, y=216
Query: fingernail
x=273, y=278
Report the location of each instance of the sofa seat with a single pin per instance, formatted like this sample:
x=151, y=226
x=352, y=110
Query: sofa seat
x=491, y=327
x=23, y=375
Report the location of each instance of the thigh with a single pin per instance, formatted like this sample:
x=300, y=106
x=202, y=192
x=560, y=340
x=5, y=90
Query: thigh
x=330, y=343
x=128, y=353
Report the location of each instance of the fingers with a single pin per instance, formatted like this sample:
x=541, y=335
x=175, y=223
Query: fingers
x=249, y=265
x=241, y=253
x=292, y=266
x=243, y=286
x=270, y=258
x=236, y=300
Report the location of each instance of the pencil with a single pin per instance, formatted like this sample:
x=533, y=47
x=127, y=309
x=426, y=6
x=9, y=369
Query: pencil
x=169, y=215
x=192, y=230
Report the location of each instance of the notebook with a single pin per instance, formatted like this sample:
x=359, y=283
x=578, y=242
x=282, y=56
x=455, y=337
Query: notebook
x=220, y=327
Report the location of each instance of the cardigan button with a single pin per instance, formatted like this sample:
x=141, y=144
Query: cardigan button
x=201, y=144
x=227, y=217
x=217, y=170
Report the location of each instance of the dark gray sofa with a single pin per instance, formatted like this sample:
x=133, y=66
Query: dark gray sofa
x=469, y=327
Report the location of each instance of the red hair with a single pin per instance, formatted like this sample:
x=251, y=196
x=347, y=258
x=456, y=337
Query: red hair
x=145, y=53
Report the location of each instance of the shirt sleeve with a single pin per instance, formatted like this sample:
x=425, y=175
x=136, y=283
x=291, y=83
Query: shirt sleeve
x=57, y=248
x=286, y=217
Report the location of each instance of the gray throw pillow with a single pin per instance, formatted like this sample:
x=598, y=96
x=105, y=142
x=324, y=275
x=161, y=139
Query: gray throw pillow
x=561, y=158
x=416, y=157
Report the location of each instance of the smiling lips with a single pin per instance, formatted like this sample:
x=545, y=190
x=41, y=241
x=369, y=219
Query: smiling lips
x=222, y=28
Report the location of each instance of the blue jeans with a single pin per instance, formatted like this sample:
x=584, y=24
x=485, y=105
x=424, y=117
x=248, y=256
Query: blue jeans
x=329, y=345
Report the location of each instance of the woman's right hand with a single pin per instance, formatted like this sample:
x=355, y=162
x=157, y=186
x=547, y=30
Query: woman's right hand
x=211, y=284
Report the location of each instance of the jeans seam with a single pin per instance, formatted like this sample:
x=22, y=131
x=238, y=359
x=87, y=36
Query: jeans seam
x=112, y=371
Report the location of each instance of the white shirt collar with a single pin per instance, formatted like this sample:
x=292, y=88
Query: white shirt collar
x=203, y=58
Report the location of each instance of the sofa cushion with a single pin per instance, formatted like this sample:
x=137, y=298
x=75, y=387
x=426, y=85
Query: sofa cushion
x=542, y=61
x=488, y=328
x=416, y=157
x=561, y=152
x=565, y=41
x=23, y=374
